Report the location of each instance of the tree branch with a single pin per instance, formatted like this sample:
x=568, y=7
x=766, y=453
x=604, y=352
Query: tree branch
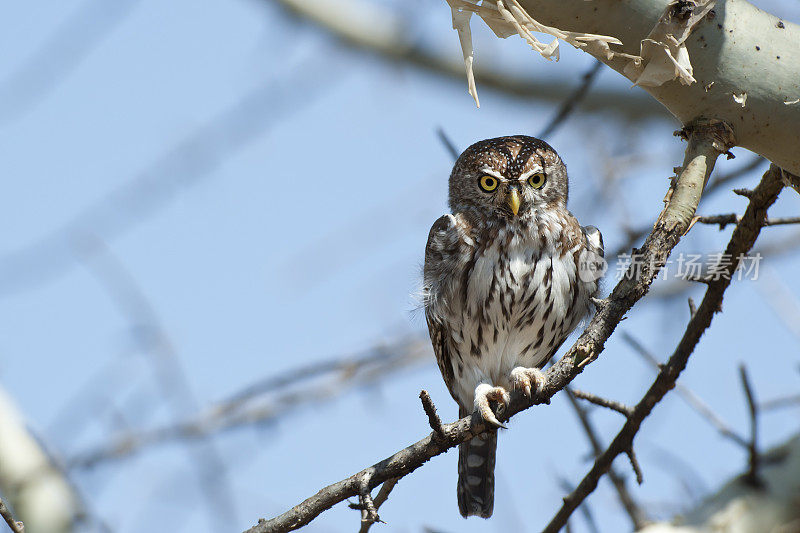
x=369, y=27
x=752, y=472
x=16, y=527
x=707, y=140
x=742, y=240
x=694, y=401
x=602, y=402
x=635, y=512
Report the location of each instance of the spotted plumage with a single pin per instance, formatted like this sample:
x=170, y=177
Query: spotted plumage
x=502, y=286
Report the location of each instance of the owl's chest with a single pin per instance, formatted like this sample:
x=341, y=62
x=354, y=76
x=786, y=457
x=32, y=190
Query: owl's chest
x=504, y=280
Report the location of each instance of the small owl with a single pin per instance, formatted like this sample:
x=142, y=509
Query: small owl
x=503, y=287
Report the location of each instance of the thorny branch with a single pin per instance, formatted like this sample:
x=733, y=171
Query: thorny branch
x=707, y=140
x=742, y=240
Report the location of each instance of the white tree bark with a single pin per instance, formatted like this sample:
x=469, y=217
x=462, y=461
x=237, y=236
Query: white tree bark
x=741, y=508
x=745, y=62
x=42, y=499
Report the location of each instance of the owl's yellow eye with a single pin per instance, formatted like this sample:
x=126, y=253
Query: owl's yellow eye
x=537, y=180
x=488, y=183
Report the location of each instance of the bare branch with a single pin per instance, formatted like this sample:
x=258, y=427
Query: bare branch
x=602, y=402
x=793, y=400
x=271, y=398
x=694, y=401
x=733, y=218
x=752, y=472
x=635, y=512
x=637, y=469
x=724, y=179
x=586, y=511
x=430, y=410
x=714, y=185
x=448, y=143
x=742, y=240
x=367, y=26
x=383, y=495
x=16, y=527
x=569, y=105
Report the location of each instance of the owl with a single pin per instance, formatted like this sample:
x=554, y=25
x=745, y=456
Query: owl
x=504, y=283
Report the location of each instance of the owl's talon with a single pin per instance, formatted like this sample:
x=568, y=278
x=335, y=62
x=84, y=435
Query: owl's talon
x=528, y=379
x=484, y=393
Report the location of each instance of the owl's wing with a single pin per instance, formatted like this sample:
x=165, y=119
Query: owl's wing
x=441, y=260
x=594, y=240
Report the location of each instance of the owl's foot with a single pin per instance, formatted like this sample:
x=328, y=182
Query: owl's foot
x=530, y=380
x=484, y=393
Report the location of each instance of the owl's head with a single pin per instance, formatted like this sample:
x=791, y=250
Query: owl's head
x=507, y=177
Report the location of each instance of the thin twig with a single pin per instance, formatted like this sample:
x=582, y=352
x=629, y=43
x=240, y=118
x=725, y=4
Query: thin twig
x=635, y=512
x=693, y=400
x=752, y=472
x=725, y=179
x=16, y=527
x=369, y=514
x=448, y=143
x=569, y=105
x=383, y=495
x=603, y=402
x=733, y=218
x=742, y=240
x=430, y=410
x=637, y=468
x=793, y=400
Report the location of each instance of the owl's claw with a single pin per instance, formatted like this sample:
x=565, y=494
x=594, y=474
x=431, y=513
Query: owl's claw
x=484, y=393
x=530, y=380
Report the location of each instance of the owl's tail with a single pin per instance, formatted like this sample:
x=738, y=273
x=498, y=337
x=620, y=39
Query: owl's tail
x=476, y=474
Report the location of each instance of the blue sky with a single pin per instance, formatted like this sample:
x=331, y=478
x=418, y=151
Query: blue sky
x=295, y=234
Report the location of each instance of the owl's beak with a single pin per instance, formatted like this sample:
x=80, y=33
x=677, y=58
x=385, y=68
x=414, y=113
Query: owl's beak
x=513, y=200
